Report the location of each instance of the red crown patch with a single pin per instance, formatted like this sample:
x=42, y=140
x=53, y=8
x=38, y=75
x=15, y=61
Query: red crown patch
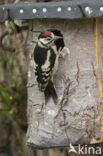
x=46, y=33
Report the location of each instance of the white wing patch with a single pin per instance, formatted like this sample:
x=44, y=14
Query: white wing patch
x=47, y=63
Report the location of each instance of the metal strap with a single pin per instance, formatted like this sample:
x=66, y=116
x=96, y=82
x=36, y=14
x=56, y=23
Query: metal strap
x=74, y=9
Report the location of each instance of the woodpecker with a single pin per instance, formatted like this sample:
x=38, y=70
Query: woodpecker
x=46, y=63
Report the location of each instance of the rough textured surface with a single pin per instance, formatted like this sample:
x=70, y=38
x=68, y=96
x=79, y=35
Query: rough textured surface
x=76, y=117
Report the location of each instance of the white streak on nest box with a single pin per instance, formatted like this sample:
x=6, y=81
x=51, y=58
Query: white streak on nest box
x=65, y=52
x=32, y=64
x=36, y=123
x=38, y=110
x=51, y=112
x=89, y=94
x=29, y=74
x=58, y=131
x=45, y=123
x=61, y=97
x=32, y=94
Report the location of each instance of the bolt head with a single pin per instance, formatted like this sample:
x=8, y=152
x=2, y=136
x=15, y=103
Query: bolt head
x=44, y=10
x=21, y=11
x=34, y=11
x=88, y=10
x=59, y=9
x=101, y=8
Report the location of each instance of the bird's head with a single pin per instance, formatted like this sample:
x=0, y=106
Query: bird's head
x=47, y=38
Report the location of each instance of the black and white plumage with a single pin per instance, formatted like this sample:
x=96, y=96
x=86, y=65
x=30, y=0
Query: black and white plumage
x=46, y=63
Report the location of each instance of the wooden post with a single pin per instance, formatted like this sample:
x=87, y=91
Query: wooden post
x=77, y=116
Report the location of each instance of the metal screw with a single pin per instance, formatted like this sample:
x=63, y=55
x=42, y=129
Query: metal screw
x=101, y=8
x=69, y=8
x=44, y=10
x=34, y=11
x=59, y=9
x=21, y=11
x=88, y=10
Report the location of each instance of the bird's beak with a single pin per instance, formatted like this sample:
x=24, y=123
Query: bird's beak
x=57, y=37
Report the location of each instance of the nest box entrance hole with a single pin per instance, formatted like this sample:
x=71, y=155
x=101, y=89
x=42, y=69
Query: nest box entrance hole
x=60, y=42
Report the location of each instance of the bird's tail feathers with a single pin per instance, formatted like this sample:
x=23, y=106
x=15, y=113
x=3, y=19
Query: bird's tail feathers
x=50, y=92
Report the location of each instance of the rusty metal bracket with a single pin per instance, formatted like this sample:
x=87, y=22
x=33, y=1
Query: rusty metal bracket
x=74, y=9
